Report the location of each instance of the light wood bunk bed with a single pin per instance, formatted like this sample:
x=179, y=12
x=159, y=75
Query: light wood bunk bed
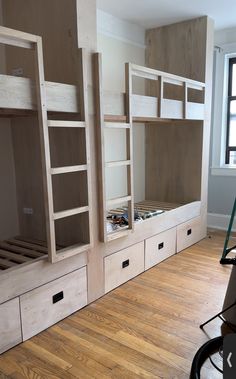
x=176, y=101
x=62, y=159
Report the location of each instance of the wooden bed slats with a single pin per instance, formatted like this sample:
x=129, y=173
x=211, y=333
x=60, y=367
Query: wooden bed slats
x=19, y=250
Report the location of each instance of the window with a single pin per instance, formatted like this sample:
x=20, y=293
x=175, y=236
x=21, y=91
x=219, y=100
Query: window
x=230, y=156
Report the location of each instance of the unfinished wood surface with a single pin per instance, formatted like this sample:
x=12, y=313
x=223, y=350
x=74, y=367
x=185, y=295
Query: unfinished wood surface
x=57, y=300
x=16, y=251
x=10, y=327
x=184, y=49
x=123, y=265
x=56, y=22
x=188, y=233
x=148, y=327
x=160, y=247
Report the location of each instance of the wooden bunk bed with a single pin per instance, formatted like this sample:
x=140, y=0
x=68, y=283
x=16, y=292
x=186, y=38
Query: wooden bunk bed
x=60, y=109
x=121, y=111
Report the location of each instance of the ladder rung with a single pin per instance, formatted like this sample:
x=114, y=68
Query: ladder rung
x=118, y=200
x=70, y=212
x=68, y=169
x=116, y=125
x=117, y=163
x=71, y=250
x=65, y=124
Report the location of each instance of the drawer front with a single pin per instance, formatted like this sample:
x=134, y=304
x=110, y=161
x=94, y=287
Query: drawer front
x=123, y=265
x=50, y=303
x=10, y=327
x=160, y=247
x=188, y=233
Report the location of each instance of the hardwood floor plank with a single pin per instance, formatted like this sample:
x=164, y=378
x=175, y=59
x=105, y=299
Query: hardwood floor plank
x=146, y=328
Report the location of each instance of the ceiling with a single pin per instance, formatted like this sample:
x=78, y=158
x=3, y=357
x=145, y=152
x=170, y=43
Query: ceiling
x=151, y=13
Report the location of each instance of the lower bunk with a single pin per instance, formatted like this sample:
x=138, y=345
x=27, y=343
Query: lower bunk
x=19, y=250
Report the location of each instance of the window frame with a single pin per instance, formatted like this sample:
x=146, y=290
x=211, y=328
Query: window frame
x=230, y=98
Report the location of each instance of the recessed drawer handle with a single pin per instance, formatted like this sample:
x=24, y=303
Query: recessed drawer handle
x=125, y=263
x=189, y=231
x=58, y=297
x=161, y=245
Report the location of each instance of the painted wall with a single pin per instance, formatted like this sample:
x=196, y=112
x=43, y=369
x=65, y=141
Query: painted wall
x=121, y=42
x=222, y=188
x=8, y=204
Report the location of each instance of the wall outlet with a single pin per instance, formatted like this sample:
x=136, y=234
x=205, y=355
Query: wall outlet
x=28, y=211
x=17, y=71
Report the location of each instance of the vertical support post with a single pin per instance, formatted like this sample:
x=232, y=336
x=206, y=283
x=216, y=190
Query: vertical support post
x=160, y=96
x=100, y=145
x=185, y=101
x=129, y=142
x=45, y=150
x=82, y=86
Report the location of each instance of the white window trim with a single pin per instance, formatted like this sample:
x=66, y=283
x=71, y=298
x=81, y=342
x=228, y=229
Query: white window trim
x=219, y=115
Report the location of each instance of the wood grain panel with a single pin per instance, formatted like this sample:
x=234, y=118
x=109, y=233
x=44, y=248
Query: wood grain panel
x=39, y=308
x=147, y=328
x=10, y=327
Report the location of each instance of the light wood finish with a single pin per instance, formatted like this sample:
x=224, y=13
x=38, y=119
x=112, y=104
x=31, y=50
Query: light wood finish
x=70, y=212
x=105, y=204
x=37, y=304
x=10, y=327
x=148, y=327
x=65, y=124
x=67, y=169
x=123, y=265
x=188, y=233
x=181, y=163
x=160, y=247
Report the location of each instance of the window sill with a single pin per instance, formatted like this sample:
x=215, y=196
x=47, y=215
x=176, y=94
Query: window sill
x=224, y=170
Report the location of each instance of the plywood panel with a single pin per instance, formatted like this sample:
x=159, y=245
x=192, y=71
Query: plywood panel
x=123, y=265
x=56, y=22
x=173, y=162
x=55, y=300
x=10, y=328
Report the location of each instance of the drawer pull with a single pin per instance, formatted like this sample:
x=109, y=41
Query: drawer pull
x=161, y=245
x=125, y=263
x=58, y=297
x=189, y=231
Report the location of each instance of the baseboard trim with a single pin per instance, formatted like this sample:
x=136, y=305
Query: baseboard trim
x=219, y=221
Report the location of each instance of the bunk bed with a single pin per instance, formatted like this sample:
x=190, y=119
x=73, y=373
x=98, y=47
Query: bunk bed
x=59, y=110
x=175, y=100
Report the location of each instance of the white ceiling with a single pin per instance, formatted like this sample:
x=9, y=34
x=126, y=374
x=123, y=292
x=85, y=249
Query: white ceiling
x=151, y=13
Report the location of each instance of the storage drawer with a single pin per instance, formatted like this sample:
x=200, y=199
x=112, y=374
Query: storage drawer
x=188, y=233
x=123, y=265
x=160, y=247
x=10, y=328
x=50, y=303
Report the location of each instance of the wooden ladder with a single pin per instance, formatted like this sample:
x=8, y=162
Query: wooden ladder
x=45, y=124
x=25, y=40
x=102, y=125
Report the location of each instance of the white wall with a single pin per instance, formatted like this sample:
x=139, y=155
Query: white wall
x=121, y=42
x=222, y=181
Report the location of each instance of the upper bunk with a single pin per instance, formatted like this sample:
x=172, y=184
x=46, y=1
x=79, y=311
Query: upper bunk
x=178, y=98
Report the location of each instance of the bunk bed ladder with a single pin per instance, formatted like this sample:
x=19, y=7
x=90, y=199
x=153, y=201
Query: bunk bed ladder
x=49, y=171
x=115, y=123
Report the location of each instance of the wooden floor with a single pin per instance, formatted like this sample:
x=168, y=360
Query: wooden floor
x=147, y=328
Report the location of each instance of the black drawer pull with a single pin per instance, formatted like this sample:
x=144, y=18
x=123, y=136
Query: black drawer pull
x=125, y=263
x=161, y=245
x=58, y=297
x=189, y=231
